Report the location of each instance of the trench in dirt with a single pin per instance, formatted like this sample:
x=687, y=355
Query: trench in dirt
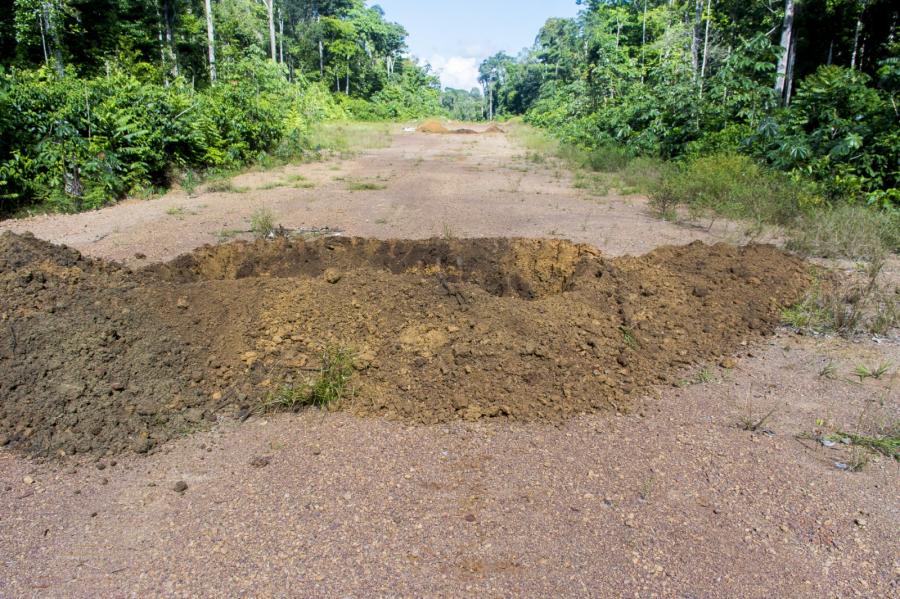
x=98, y=358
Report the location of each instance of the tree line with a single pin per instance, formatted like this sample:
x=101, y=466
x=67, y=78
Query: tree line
x=102, y=98
x=804, y=87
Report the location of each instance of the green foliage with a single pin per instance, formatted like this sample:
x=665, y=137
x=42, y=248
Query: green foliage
x=625, y=80
x=102, y=99
x=77, y=144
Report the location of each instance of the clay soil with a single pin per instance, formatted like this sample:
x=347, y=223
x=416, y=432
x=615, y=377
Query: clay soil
x=550, y=396
x=101, y=358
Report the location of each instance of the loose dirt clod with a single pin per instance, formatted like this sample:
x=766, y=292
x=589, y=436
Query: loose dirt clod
x=95, y=357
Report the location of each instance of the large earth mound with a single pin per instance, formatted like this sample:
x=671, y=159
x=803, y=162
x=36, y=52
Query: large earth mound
x=97, y=358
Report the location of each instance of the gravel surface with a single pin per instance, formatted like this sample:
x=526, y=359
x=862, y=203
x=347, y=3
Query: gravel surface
x=672, y=500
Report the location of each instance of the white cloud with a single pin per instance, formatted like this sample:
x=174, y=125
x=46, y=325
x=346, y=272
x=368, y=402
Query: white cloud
x=460, y=72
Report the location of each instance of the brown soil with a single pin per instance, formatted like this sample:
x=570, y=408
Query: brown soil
x=96, y=357
x=432, y=126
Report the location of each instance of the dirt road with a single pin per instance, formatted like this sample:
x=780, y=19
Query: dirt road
x=673, y=499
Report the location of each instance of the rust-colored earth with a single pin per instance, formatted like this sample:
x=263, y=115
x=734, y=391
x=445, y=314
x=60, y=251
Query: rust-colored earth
x=99, y=358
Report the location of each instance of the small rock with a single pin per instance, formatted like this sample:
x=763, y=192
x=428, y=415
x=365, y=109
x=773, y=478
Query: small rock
x=700, y=291
x=317, y=451
x=4, y=440
x=140, y=256
x=469, y=517
x=117, y=386
x=100, y=466
x=180, y=487
x=104, y=481
x=28, y=480
x=728, y=363
x=332, y=275
x=182, y=303
x=861, y=522
x=261, y=461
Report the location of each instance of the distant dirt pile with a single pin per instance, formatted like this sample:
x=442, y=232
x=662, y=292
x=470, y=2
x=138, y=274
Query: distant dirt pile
x=97, y=358
x=434, y=126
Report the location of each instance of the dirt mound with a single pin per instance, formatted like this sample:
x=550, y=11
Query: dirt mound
x=94, y=357
x=432, y=126
x=493, y=129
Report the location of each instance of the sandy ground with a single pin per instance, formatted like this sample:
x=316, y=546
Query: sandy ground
x=672, y=500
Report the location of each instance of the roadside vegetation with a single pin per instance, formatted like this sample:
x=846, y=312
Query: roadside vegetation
x=711, y=109
x=103, y=100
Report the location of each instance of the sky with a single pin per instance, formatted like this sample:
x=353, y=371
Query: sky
x=454, y=36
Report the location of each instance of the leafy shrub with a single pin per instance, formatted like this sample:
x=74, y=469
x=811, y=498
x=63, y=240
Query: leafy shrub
x=77, y=144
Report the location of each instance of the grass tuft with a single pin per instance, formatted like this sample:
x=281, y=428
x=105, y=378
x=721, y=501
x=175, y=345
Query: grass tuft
x=329, y=386
x=262, y=223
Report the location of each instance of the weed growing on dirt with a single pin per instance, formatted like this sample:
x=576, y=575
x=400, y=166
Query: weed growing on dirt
x=846, y=308
x=628, y=337
x=704, y=376
x=364, y=186
x=864, y=372
x=749, y=422
x=329, y=386
x=262, y=223
x=178, y=212
x=447, y=231
x=886, y=445
x=829, y=371
x=189, y=182
x=223, y=186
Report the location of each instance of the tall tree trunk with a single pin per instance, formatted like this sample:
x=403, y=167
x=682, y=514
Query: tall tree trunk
x=270, y=12
x=53, y=34
x=705, y=45
x=643, y=39
x=280, y=37
x=162, y=47
x=789, y=85
x=44, y=40
x=169, y=10
x=787, y=35
x=695, y=36
x=859, y=27
x=211, y=41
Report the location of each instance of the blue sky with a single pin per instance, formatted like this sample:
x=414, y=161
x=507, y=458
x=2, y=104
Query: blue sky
x=456, y=35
